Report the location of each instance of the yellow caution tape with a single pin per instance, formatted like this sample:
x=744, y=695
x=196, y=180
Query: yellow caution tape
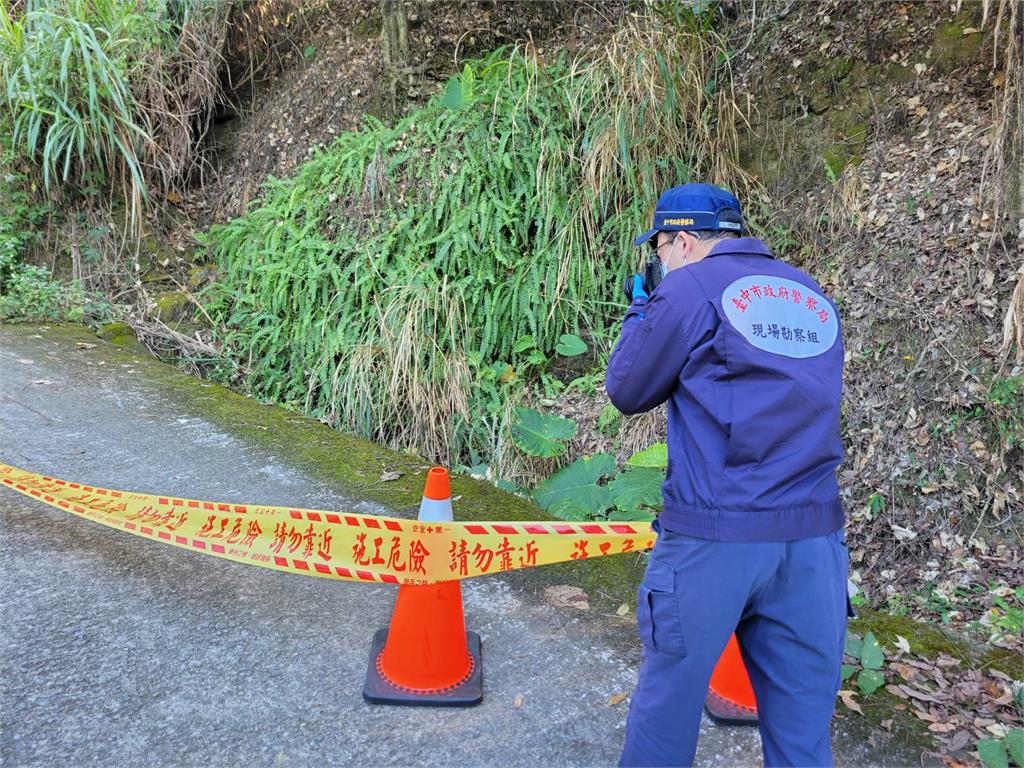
x=335, y=545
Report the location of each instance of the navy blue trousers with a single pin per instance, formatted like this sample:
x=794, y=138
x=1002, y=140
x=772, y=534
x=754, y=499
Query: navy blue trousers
x=787, y=603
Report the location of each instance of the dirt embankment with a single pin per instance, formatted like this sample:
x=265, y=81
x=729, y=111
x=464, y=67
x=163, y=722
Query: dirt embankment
x=879, y=124
x=333, y=78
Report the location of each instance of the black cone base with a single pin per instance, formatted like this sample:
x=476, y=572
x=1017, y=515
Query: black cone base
x=724, y=711
x=377, y=690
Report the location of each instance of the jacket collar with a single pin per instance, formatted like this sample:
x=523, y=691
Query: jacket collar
x=740, y=246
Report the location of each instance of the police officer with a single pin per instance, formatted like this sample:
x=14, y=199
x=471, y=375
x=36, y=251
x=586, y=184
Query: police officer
x=746, y=351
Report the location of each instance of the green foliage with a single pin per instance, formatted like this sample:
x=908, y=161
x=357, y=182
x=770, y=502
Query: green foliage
x=1006, y=400
x=30, y=293
x=871, y=656
x=865, y=660
x=381, y=284
x=579, y=490
x=570, y=345
x=870, y=680
x=993, y=753
x=655, y=456
x=67, y=69
x=21, y=217
x=541, y=435
x=609, y=420
x=1008, y=613
x=876, y=504
x=574, y=493
x=636, y=488
x=1015, y=746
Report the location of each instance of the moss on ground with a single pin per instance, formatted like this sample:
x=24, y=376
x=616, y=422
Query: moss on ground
x=957, y=43
x=172, y=306
x=121, y=335
x=930, y=641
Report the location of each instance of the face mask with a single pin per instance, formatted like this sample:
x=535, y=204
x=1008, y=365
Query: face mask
x=664, y=269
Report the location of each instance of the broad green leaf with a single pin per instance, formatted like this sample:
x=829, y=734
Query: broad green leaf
x=1015, y=743
x=848, y=670
x=524, y=343
x=871, y=656
x=993, y=753
x=309, y=51
x=505, y=485
x=637, y=488
x=630, y=516
x=453, y=94
x=853, y=645
x=467, y=82
x=655, y=456
x=870, y=680
x=540, y=434
x=570, y=345
x=573, y=491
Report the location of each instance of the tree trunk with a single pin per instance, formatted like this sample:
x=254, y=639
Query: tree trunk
x=394, y=36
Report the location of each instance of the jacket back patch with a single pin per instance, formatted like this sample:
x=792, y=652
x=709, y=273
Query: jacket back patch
x=780, y=316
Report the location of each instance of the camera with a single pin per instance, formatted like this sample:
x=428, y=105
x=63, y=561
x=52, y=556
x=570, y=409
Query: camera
x=651, y=276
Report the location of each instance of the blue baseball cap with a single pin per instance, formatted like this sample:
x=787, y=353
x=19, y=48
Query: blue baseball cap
x=695, y=206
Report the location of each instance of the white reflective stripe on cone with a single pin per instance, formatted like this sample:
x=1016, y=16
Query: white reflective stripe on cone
x=436, y=510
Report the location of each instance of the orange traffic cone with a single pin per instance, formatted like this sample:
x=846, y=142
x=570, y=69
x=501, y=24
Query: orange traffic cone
x=730, y=696
x=426, y=656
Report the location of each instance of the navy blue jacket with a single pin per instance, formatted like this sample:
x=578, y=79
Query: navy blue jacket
x=748, y=353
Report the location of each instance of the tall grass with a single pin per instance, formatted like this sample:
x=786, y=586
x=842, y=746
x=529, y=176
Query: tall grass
x=389, y=285
x=66, y=69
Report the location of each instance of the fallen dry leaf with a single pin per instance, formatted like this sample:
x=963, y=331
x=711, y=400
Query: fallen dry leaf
x=959, y=741
x=618, y=698
x=848, y=700
x=622, y=610
x=389, y=476
x=517, y=702
x=905, y=671
x=895, y=691
x=902, y=533
x=915, y=694
x=84, y=345
x=565, y=596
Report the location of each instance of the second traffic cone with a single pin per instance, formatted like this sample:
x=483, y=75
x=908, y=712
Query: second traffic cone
x=426, y=656
x=730, y=696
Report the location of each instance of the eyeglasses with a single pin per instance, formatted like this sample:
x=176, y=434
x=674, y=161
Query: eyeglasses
x=657, y=248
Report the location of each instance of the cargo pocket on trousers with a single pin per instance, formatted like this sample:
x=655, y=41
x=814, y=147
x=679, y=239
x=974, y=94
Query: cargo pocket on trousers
x=657, y=612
